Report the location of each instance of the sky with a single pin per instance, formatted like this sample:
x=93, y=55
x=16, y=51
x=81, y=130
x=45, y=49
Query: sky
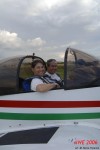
x=48, y=27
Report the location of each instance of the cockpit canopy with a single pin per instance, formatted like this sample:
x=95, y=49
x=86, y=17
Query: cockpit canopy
x=13, y=71
x=9, y=75
x=79, y=70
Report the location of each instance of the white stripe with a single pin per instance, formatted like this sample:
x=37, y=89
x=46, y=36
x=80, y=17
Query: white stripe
x=50, y=110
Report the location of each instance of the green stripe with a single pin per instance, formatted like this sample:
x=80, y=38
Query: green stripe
x=21, y=116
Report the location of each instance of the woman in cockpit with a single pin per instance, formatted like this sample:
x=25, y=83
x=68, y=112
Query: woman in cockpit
x=39, y=83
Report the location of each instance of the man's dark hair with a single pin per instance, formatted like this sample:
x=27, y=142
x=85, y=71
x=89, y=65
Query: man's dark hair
x=49, y=61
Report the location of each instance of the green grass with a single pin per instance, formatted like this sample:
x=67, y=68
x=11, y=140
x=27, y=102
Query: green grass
x=60, y=70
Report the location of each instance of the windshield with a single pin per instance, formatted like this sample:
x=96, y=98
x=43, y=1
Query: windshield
x=81, y=70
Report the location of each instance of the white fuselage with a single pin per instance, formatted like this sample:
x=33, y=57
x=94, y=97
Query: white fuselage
x=80, y=106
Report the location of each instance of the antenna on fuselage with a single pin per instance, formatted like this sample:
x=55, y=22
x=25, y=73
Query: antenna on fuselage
x=33, y=54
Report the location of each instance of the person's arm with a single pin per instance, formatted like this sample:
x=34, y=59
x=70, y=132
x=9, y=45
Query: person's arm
x=46, y=87
x=39, y=86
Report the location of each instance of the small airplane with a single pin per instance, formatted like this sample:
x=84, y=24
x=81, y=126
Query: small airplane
x=67, y=118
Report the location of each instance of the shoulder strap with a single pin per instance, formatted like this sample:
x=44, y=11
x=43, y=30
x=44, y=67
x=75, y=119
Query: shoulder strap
x=59, y=76
x=54, y=80
x=50, y=80
x=44, y=79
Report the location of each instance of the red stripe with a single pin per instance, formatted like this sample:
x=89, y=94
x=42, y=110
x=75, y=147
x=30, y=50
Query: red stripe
x=48, y=104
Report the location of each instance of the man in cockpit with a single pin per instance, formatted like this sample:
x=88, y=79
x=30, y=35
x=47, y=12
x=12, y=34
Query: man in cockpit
x=52, y=71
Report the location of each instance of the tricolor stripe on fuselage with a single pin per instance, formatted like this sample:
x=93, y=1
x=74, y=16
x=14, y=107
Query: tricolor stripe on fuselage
x=87, y=106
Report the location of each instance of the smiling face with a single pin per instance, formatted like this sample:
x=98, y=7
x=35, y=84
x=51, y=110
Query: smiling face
x=52, y=68
x=38, y=69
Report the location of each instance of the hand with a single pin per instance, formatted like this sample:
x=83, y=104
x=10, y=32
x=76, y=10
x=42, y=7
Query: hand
x=57, y=85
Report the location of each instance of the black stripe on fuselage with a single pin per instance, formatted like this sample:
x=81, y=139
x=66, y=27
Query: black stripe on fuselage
x=33, y=136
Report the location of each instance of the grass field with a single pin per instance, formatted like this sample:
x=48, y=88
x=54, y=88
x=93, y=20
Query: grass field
x=60, y=70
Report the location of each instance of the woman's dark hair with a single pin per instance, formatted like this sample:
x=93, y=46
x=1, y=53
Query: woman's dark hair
x=36, y=61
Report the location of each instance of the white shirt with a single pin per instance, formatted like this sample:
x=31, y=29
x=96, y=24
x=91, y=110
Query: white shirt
x=35, y=82
x=53, y=76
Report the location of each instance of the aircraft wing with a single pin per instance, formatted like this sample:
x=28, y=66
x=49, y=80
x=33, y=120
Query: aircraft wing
x=63, y=137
